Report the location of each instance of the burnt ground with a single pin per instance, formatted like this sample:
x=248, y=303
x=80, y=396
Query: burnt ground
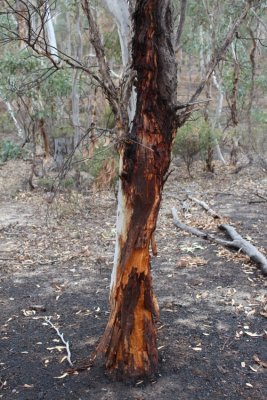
x=212, y=329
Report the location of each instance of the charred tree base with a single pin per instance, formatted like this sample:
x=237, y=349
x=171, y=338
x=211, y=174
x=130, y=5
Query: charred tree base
x=129, y=342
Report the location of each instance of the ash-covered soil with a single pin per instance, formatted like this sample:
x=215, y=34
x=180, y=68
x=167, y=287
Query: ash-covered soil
x=212, y=330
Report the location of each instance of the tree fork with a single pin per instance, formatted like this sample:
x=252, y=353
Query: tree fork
x=129, y=342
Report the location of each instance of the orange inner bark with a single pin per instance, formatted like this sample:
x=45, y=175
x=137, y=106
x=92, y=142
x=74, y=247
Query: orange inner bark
x=136, y=344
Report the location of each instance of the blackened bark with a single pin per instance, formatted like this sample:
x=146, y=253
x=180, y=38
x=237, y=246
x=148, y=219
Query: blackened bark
x=147, y=152
x=129, y=342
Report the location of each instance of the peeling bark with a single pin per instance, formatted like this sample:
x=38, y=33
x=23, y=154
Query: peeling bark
x=129, y=341
x=44, y=136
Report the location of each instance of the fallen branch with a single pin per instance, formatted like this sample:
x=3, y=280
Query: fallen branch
x=205, y=206
x=180, y=106
x=61, y=335
x=246, y=247
x=198, y=232
x=256, y=201
x=260, y=196
x=238, y=243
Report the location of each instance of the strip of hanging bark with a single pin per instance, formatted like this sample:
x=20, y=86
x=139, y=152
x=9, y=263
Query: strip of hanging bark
x=205, y=206
x=44, y=136
x=153, y=244
x=238, y=243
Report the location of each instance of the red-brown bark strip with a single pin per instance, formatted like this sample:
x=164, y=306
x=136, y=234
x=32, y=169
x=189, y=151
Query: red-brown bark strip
x=44, y=136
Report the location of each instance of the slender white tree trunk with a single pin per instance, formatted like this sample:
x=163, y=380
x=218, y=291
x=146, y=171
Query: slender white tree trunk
x=11, y=112
x=218, y=86
x=218, y=114
x=75, y=97
x=119, y=10
x=51, y=36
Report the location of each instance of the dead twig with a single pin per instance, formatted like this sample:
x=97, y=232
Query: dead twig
x=260, y=196
x=205, y=206
x=61, y=335
x=257, y=201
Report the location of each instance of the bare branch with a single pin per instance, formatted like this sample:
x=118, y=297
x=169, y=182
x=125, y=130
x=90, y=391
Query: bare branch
x=181, y=23
x=37, y=41
x=215, y=59
x=259, y=19
x=181, y=106
x=95, y=39
x=218, y=54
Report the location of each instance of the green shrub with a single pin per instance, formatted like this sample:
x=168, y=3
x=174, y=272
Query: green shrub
x=62, y=131
x=186, y=144
x=68, y=182
x=195, y=138
x=9, y=151
x=107, y=119
x=94, y=164
x=45, y=183
x=6, y=124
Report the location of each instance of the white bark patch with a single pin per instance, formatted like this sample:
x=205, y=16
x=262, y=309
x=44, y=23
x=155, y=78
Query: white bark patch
x=122, y=224
x=16, y=123
x=51, y=34
x=132, y=106
x=13, y=117
x=120, y=11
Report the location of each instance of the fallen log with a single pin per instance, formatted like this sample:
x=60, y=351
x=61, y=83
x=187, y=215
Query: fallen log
x=237, y=242
x=205, y=206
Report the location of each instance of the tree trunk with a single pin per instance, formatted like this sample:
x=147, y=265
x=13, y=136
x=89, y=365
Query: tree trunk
x=75, y=96
x=129, y=341
x=21, y=18
x=216, y=122
x=11, y=113
x=51, y=37
x=119, y=9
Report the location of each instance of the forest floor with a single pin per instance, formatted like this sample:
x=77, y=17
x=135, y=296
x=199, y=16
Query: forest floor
x=212, y=330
